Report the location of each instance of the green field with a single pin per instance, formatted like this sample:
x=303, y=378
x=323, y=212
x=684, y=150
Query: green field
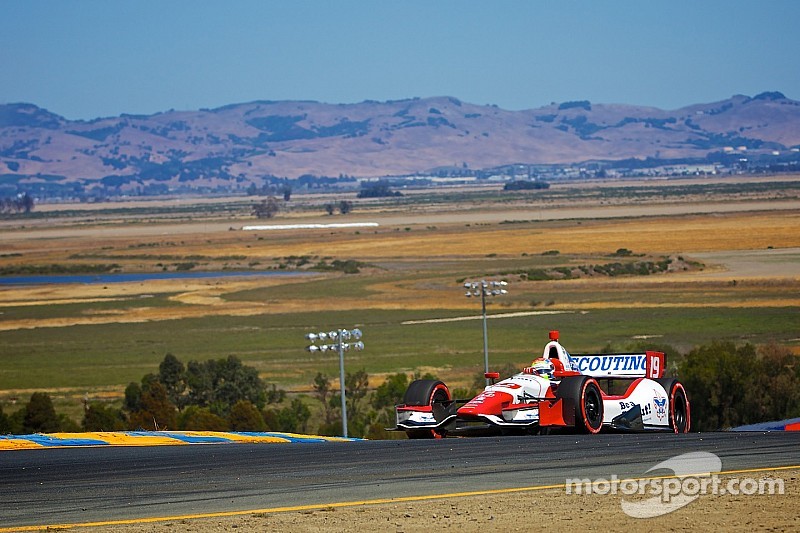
x=90, y=356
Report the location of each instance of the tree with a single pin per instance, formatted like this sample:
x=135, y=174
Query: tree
x=378, y=189
x=322, y=392
x=5, y=422
x=287, y=193
x=67, y=425
x=155, y=411
x=345, y=206
x=275, y=395
x=730, y=386
x=40, y=415
x=523, y=185
x=331, y=405
x=201, y=419
x=99, y=417
x=390, y=392
x=245, y=416
x=356, y=387
x=16, y=422
x=25, y=202
x=219, y=384
x=172, y=374
x=266, y=208
x=133, y=397
x=386, y=396
x=22, y=203
x=777, y=391
x=270, y=417
x=294, y=418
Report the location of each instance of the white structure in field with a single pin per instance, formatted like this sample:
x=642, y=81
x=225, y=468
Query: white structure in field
x=311, y=226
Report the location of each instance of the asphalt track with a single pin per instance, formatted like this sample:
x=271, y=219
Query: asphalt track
x=80, y=485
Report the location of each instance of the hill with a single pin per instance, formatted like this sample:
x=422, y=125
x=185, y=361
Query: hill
x=237, y=145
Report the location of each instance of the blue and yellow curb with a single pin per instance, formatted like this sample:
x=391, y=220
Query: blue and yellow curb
x=154, y=438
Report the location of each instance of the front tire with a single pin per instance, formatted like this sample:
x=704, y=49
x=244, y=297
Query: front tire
x=585, y=394
x=426, y=392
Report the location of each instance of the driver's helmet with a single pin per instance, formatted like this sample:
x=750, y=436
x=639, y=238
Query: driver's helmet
x=544, y=368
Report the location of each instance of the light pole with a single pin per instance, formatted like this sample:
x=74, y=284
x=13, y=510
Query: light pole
x=483, y=289
x=338, y=339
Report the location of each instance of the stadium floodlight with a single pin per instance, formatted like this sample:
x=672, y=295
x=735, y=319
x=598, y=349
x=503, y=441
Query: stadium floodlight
x=483, y=289
x=337, y=339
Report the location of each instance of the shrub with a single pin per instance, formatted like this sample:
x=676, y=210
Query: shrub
x=155, y=411
x=99, y=417
x=201, y=419
x=40, y=415
x=245, y=416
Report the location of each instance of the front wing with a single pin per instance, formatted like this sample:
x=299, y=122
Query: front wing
x=442, y=418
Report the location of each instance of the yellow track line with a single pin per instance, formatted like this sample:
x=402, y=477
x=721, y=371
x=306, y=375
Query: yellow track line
x=378, y=501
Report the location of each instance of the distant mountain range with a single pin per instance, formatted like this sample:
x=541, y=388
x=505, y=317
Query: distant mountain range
x=237, y=145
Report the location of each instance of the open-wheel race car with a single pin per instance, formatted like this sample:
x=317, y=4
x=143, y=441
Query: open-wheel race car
x=558, y=392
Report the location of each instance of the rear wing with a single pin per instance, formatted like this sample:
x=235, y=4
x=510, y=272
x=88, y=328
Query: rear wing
x=620, y=365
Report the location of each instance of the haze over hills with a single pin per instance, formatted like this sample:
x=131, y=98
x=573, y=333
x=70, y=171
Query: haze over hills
x=234, y=146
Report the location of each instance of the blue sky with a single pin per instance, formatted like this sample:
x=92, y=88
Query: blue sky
x=89, y=58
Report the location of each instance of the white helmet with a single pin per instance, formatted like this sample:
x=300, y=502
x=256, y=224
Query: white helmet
x=544, y=368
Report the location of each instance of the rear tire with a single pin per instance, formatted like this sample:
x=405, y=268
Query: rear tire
x=425, y=392
x=588, y=401
x=679, y=411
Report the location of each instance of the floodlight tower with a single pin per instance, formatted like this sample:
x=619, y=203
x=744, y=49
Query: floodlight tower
x=338, y=342
x=483, y=289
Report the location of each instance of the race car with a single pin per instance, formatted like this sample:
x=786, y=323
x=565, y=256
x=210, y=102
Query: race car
x=558, y=392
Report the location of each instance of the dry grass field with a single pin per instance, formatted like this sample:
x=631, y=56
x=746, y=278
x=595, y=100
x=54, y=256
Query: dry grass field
x=732, y=249
x=424, y=256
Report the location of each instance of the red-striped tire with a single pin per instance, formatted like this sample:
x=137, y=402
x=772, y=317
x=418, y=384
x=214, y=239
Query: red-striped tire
x=425, y=392
x=584, y=392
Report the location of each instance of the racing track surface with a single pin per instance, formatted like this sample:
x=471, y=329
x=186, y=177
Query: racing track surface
x=79, y=485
